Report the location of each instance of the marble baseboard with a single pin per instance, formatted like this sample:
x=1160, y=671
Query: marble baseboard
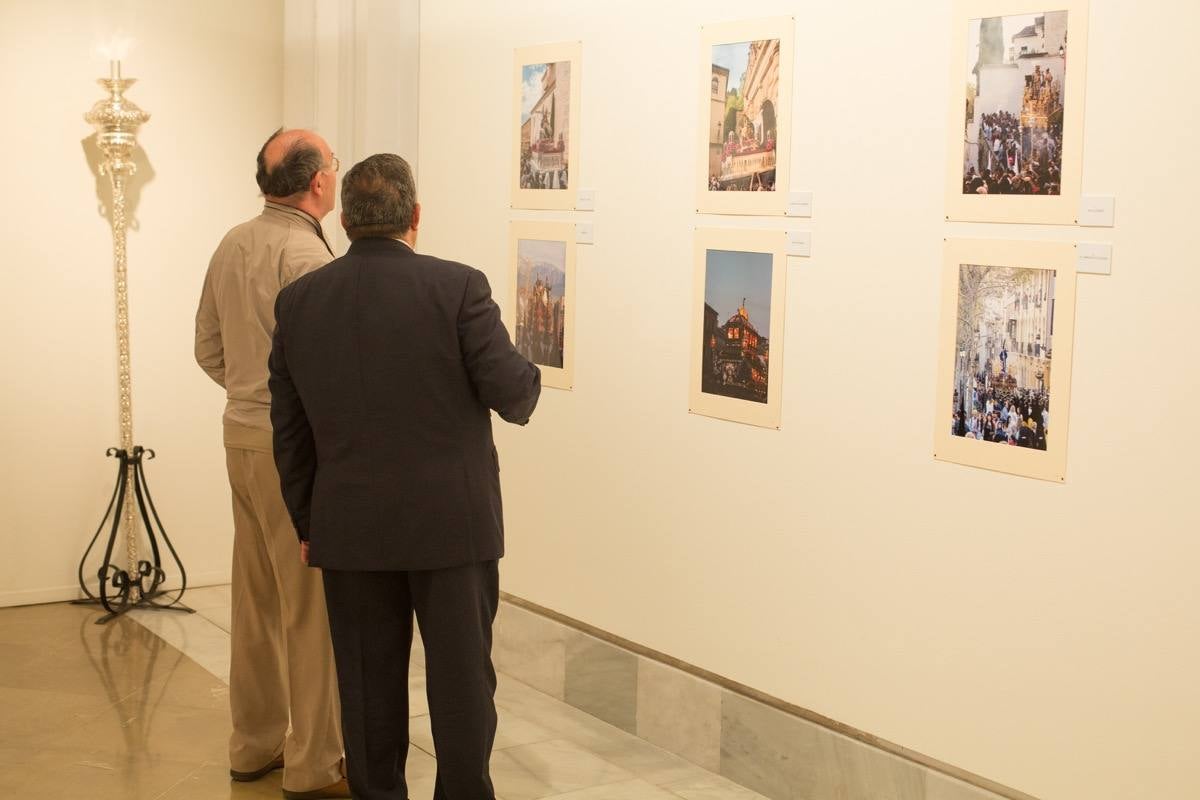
x=601, y=680
x=772, y=752
x=680, y=713
x=531, y=648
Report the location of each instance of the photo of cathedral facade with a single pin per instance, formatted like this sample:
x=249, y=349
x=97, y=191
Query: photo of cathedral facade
x=541, y=301
x=742, y=121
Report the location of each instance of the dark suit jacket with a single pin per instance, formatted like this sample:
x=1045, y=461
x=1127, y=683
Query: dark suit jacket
x=383, y=367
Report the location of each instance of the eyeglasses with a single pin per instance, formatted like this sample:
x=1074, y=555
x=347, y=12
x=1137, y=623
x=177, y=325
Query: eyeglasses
x=334, y=164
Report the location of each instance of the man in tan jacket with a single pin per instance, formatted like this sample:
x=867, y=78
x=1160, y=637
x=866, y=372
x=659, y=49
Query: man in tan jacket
x=282, y=660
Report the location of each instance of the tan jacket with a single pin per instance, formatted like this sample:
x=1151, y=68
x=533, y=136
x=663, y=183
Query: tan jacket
x=237, y=312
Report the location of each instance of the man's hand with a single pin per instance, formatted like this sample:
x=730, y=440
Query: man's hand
x=304, y=552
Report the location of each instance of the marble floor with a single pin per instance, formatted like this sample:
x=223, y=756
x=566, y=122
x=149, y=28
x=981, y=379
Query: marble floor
x=138, y=710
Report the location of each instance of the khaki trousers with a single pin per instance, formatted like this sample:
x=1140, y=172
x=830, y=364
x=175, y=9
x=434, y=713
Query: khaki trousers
x=281, y=664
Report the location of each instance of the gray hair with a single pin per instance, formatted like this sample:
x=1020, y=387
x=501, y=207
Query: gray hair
x=294, y=172
x=378, y=197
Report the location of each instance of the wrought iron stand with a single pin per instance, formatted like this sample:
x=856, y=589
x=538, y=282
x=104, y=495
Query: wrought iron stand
x=117, y=590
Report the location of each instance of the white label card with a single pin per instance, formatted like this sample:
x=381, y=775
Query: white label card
x=800, y=204
x=1094, y=258
x=585, y=233
x=799, y=243
x=1097, y=210
x=586, y=200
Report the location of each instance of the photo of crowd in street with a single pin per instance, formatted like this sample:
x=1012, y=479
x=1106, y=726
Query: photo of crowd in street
x=1003, y=344
x=743, y=116
x=541, y=301
x=1013, y=135
x=737, y=325
x=545, y=125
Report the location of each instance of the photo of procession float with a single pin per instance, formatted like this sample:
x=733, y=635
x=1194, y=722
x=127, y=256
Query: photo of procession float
x=545, y=125
x=1013, y=139
x=742, y=120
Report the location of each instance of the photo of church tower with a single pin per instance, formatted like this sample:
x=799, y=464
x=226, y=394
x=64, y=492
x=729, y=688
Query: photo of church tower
x=737, y=322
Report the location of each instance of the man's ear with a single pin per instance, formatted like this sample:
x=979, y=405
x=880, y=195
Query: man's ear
x=416, y=220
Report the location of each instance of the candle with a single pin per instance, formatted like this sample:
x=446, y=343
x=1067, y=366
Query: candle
x=114, y=50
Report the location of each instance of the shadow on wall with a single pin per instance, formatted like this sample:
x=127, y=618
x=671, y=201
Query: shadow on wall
x=133, y=185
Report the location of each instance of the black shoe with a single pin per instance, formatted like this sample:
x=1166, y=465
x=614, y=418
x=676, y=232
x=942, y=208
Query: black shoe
x=338, y=789
x=276, y=763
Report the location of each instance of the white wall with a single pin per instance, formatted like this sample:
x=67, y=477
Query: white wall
x=210, y=74
x=350, y=72
x=1045, y=636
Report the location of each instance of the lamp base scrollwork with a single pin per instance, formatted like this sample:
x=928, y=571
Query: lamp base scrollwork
x=116, y=590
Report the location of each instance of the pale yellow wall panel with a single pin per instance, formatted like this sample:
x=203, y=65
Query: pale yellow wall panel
x=1043, y=634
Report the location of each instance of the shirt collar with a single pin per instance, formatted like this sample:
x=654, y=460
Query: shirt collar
x=299, y=215
x=380, y=244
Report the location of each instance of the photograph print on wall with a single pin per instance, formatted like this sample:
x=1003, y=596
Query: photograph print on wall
x=1004, y=355
x=1015, y=134
x=744, y=124
x=541, y=300
x=745, y=108
x=541, y=305
x=1004, y=342
x=735, y=361
x=545, y=126
x=1014, y=108
x=737, y=338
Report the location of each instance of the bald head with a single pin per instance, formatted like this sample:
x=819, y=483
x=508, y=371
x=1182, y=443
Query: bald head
x=288, y=161
x=296, y=168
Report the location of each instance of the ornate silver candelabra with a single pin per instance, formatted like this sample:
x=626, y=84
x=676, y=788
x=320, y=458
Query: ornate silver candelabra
x=117, y=121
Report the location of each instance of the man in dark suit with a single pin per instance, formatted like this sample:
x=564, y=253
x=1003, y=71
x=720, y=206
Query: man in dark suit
x=384, y=366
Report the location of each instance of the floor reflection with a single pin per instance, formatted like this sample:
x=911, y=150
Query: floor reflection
x=127, y=712
x=127, y=655
x=107, y=711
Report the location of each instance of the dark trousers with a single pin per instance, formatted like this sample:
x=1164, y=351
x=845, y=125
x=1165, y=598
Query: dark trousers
x=370, y=619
